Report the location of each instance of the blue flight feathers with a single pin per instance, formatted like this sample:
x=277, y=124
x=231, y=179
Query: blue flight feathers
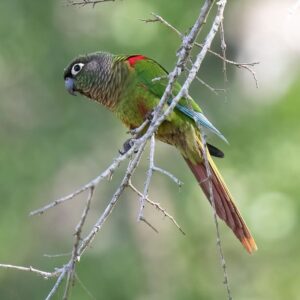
x=200, y=120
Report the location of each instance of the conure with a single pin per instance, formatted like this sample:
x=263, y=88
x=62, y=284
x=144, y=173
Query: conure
x=131, y=86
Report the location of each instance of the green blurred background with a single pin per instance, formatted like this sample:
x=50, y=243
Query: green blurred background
x=51, y=143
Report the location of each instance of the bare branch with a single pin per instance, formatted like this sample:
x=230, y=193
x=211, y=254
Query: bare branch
x=212, y=89
x=93, y=183
x=212, y=201
x=164, y=172
x=74, y=258
x=223, y=47
x=148, y=179
x=43, y=274
x=158, y=18
x=139, y=129
x=142, y=218
x=58, y=283
x=157, y=206
x=131, y=168
x=57, y=255
x=84, y=287
x=88, y=2
x=245, y=65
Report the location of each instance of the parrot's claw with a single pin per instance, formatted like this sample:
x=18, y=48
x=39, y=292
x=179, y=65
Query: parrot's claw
x=127, y=146
x=149, y=115
x=137, y=132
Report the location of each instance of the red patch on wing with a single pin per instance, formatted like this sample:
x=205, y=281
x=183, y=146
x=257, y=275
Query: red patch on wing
x=133, y=59
x=143, y=110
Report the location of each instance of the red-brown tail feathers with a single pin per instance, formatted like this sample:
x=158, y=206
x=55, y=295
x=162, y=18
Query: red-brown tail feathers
x=224, y=204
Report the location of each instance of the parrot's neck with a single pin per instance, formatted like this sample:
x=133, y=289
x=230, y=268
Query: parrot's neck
x=110, y=83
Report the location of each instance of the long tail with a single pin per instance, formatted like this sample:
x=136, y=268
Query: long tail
x=224, y=204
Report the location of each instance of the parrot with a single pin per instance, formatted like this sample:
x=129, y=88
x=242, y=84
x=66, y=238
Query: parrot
x=131, y=86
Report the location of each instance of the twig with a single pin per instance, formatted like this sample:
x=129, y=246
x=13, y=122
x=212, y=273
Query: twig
x=57, y=283
x=43, y=274
x=214, y=28
x=148, y=179
x=223, y=47
x=212, y=201
x=142, y=218
x=157, y=206
x=245, y=65
x=158, y=18
x=164, y=172
x=75, y=258
x=183, y=54
x=57, y=255
x=92, y=183
x=139, y=129
x=212, y=89
x=87, y=2
x=108, y=210
x=85, y=288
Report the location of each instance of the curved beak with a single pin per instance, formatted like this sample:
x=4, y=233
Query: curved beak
x=69, y=85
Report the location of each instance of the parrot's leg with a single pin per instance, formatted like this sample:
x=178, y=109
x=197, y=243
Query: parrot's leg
x=127, y=146
x=138, y=132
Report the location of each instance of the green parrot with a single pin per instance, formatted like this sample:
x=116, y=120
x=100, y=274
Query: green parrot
x=124, y=84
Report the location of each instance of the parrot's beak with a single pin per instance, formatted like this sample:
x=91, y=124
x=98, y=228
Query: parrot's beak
x=69, y=85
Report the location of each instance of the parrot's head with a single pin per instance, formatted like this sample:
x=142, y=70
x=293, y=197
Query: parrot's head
x=86, y=73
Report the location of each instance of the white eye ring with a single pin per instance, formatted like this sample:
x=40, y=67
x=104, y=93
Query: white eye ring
x=76, y=68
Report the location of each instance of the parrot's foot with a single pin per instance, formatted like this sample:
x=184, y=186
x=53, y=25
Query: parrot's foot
x=127, y=146
x=149, y=115
x=138, y=131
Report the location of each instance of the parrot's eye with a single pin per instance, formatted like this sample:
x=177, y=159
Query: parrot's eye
x=76, y=68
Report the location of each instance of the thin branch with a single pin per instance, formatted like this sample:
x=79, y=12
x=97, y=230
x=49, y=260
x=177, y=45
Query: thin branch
x=84, y=287
x=212, y=89
x=247, y=67
x=164, y=172
x=211, y=34
x=158, y=18
x=157, y=206
x=223, y=47
x=142, y=218
x=148, y=179
x=138, y=130
x=74, y=258
x=60, y=200
x=92, y=183
x=57, y=283
x=183, y=55
x=212, y=201
x=45, y=275
x=88, y=2
x=244, y=65
x=131, y=168
x=57, y=255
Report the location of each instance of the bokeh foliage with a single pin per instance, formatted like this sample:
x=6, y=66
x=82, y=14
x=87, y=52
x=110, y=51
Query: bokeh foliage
x=51, y=143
